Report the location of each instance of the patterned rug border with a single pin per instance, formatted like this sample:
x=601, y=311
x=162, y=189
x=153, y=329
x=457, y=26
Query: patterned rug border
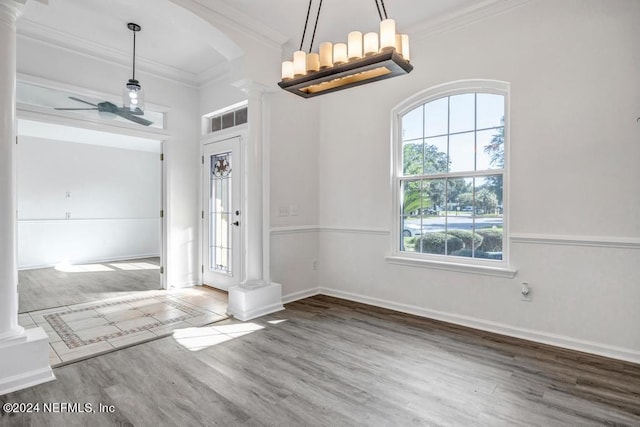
x=72, y=340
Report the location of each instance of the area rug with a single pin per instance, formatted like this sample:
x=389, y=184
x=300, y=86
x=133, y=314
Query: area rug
x=79, y=331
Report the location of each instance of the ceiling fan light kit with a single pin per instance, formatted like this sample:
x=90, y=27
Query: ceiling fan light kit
x=133, y=95
x=364, y=59
x=132, y=98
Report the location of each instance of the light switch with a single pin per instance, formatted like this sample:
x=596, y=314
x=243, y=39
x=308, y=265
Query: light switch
x=283, y=211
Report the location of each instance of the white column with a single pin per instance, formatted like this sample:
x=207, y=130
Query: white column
x=9, y=11
x=253, y=218
x=255, y=296
x=24, y=354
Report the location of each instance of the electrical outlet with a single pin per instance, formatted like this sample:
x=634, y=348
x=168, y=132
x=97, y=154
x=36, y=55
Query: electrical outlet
x=525, y=292
x=283, y=211
x=67, y=195
x=67, y=215
x=314, y=264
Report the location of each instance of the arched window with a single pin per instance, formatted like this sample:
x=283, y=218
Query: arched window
x=450, y=174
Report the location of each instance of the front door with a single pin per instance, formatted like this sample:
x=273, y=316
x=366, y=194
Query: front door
x=222, y=219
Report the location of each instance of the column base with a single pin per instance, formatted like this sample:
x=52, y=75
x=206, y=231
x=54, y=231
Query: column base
x=25, y=361
x=252, y=300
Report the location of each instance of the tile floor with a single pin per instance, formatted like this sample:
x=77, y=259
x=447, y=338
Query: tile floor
x=84, y=330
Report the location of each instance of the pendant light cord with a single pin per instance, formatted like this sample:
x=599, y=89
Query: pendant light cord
x=134, y=55
x=304, y=31
x=384, y=9
x=313, y=36
x=306, y=23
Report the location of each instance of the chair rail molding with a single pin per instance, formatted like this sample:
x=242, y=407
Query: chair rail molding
x=576, y=240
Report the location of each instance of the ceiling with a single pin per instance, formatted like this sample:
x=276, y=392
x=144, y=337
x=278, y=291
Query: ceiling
x=177, y=44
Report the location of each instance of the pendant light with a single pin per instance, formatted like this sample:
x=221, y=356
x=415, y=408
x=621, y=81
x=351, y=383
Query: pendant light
x=364, y=59
x=133, y=95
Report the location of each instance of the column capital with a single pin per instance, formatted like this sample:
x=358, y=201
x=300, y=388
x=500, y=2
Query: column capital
x=10, y=10
x=249, y=87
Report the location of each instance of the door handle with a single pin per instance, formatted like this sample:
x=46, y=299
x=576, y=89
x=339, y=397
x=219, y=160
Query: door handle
x=237, y=223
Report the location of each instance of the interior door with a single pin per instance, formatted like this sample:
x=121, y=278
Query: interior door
x=222, y=220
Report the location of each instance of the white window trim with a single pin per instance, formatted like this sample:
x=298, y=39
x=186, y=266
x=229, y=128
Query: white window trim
x=500, y=268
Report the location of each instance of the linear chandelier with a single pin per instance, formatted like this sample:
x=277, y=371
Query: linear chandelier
x=363, y=59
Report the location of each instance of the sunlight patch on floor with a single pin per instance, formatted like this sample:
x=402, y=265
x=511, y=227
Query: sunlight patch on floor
x=84, y=268
x=196, y=339
x=135, y=266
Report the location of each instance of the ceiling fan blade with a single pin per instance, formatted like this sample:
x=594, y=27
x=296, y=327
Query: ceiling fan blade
x=130, y=116
x=81, y=100
x=74, y=109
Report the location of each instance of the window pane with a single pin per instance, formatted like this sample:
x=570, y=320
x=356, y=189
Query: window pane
x=488, y=221
x=461, y=113
x=412, y=124
x=411, y=198
x=241, y=116
x=436, y=117
x=412, y=158
x=435, y=155
x=459, y=219
x=412, y=205
x=228, y=120
x=459, y=194
x=490, y=151
x=433, y=224
x=216, y=124
x=490, y=110
x=462, y=152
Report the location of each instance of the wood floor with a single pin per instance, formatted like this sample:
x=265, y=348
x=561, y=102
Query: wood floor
x=330, y=362
x=44, y=288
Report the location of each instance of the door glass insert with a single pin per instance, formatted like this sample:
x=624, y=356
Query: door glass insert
x=220, y=214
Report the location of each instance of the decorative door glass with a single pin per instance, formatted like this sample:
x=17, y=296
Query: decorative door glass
x=220, y=214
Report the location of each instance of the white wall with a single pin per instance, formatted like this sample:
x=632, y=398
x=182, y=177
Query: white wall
x=112, y=197
x=573, y=68
x=181, y=148
x=293, y=165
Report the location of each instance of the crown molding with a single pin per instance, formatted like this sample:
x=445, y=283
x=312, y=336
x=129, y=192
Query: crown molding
x=229, y=19
x=55, y=38
x=463, y=17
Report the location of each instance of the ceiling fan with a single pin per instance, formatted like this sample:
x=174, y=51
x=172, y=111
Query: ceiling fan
x=108, y=107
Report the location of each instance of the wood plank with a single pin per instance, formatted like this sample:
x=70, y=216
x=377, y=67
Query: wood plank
x=330, y=362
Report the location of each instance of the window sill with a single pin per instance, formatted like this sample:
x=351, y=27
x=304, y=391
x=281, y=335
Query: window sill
x=506, y=272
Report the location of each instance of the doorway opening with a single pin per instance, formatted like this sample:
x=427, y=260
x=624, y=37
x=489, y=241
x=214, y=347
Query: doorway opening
x=89, y=215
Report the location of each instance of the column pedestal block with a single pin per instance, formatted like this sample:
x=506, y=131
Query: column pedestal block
x=25, y=361
x=249, y=302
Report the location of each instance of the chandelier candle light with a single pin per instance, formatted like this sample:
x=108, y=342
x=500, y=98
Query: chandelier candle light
x=363, y=59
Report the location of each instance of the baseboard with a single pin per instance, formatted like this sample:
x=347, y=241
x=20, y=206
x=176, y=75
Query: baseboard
x=295, y=296
x=92, y=260
x=262, y=311
x=26, y=380
x=183, y=285
x=612, y=352
x=25, y=361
